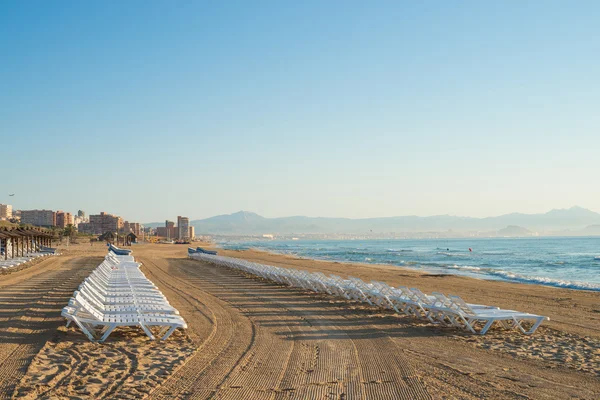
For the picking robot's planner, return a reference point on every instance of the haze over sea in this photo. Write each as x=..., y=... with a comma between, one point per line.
x=561, y=262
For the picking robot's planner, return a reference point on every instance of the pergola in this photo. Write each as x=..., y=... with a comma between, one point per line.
x=23, y=239
x=4, y=243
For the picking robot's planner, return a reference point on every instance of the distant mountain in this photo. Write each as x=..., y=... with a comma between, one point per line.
x=514, y=231
x=249, y=223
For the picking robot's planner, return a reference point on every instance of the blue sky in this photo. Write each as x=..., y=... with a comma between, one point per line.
x=340, y=108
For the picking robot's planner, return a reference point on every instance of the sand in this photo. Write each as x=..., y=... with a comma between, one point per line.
x=251, y=339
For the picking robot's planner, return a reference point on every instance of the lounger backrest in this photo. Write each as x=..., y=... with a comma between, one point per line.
x=422, y=298
x=357, y=282
x=92, y=300
x=406, y=292
x=88, y=307
x=461, y=304
x=88, y=292
x=89, y=288
x=384, y=287
x=441, y=300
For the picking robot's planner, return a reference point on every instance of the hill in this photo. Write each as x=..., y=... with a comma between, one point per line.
x=249, y=223
x=514, y=231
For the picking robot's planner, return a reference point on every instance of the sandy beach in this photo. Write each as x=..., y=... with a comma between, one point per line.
x=251, y=339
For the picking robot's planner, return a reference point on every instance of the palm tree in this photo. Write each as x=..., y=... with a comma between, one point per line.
x=69, y=231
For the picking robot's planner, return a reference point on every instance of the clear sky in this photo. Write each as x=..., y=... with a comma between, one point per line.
x=153, y=109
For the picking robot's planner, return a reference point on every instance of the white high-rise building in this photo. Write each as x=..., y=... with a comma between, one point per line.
x=5, y=211
x=183, y=228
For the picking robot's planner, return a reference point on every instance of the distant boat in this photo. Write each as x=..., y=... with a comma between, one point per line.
x=597, y=258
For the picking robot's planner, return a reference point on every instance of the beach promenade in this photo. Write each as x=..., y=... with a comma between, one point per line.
x=251, y=339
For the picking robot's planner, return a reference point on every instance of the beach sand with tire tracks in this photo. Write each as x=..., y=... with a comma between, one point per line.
x=252, y=339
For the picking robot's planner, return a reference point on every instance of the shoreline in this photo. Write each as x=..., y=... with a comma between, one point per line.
x=251, y=338
x=493, y=276
x=570, y=310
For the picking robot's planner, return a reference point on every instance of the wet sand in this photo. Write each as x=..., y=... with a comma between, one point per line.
x=251, y=339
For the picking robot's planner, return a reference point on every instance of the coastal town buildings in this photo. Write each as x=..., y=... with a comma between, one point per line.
x=64, y=219
x=102, y=223
x=80, y=218
x=44, y=218
x=133, y=227
x=192, y=233
x=168, y=231
x=5, y=211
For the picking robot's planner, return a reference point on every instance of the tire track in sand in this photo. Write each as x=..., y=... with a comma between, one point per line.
x=218, y=352
x=324, y=359
x=30, y=313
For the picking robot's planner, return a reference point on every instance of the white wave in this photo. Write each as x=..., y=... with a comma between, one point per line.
x=465, y=267
x=443, y=253
x=540, y=280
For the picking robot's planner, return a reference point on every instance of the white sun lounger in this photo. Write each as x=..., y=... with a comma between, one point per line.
x=473, y=318
x=117, y=293
x=437, y=308
x=98, y=325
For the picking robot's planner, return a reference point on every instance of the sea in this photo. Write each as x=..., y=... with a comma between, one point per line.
x=565, y=262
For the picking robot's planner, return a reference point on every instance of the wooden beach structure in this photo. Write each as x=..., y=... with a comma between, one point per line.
x=17, y=242
x=130, y=238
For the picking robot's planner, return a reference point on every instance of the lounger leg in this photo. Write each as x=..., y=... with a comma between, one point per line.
x=365, y=297
x=394, y=306
x=432, y=318
x=109, y=330
x=486, y=327
x=169, y=332
x=469, y=324
x=533, y=328
x=148, y=332
x=163, y=330
x=421, y=311
x=68, y=323
x=84, y=329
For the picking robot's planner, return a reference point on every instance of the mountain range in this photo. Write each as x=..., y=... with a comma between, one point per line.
x=575, y=220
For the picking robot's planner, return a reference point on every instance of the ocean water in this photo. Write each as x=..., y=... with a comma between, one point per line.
x=561, y=262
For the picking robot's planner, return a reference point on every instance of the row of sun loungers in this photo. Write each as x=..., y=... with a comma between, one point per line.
x=18, y=261
x=436, y=307
x=117, y=293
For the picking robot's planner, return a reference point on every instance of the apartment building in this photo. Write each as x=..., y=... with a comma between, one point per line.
x=183, y=227
x=168, y=231
x=105, y=222
x=38, y=217
x=64, y=219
